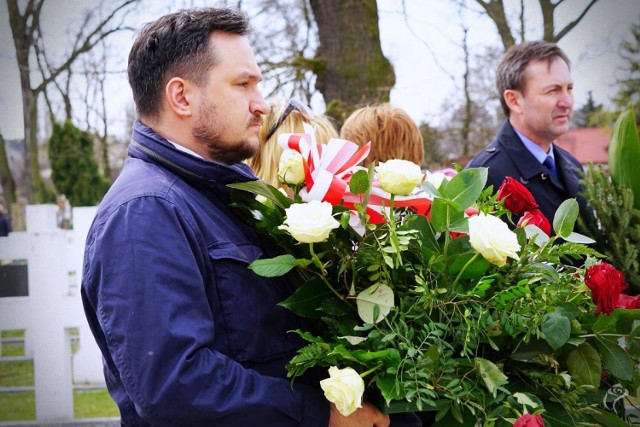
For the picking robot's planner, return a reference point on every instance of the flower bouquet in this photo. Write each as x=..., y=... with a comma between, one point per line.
x=425, y=296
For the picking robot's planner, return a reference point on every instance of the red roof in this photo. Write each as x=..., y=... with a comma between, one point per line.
x=587, y=144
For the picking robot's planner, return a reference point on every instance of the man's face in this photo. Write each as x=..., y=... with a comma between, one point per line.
x=546, y=106
x=228, y=108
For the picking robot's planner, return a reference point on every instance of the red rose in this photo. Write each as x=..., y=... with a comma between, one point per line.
x=528, y=420
x=629, y=302
x=471, y=211
x=606, y=284
x=537, y=218
x=517, y=198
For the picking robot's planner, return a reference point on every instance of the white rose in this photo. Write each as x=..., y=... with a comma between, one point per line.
x=310, y=222
x=344, y=388
x=491, y=237
x=399, y=177
x=290, y=168
x=436, y=178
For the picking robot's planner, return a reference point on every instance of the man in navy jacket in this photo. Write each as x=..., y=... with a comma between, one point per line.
x=190, y=336
x=536, y=88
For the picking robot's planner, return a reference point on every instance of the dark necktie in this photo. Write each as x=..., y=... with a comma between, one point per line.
x=550, y=164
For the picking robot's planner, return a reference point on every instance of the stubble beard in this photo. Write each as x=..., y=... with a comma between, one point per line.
x=209, y=133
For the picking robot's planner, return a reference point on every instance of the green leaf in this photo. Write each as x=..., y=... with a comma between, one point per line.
x=524, y=399
x=390, y=388
x=585, y=365
x=565, y=217
x=616, y=360
x=439, y=214
x=633, y=340
x=430, y=190
x=568, y=310
x=474, y=270
x=466, y=186
x=380, y=296
x=492, y=376
x=460, y=252
x=624, y=154
x=545, y=272
x=556, y=329
x=273, y=267
x=607, y=419
x=619, y=321
x=557, y=415
x=541, y=237
x=389, y=357
x=359, y=182
x=261, y=188
x=425, y=231
x=307, y=298
x=579, y=238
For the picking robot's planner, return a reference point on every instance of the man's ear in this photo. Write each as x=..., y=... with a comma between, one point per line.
x=177, y=97
x=513, y=100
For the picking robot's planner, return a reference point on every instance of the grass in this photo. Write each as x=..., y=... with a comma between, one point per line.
x=21, y=405
x=16, y=374
x=93, y=404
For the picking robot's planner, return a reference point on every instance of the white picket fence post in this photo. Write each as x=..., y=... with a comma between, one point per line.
x=52, y=307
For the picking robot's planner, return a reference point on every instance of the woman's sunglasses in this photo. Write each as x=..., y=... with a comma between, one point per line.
x=293, y=104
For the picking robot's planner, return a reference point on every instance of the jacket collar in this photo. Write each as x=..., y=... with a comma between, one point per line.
x=528, y=166
x=151, y=147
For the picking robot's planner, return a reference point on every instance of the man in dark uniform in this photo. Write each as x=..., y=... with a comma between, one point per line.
x=536, y=88
x=5, y=222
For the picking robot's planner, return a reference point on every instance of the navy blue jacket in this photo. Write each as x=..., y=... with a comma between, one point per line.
x=5, y=224
x=507, y=155
x=190, y=336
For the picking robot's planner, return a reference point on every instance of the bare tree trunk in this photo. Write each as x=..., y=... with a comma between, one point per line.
x=104, y=136
x=6, y=179
x=354, y=70
x=38, y=193
x=495, y=10
x=468, y=117
x=24, y=27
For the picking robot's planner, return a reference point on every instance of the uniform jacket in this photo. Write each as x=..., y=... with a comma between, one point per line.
x=507, y=155
x=190, y=336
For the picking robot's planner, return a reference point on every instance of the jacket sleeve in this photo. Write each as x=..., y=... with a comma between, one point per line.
x=146, y=280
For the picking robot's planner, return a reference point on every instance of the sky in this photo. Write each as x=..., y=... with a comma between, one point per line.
x=423, y=46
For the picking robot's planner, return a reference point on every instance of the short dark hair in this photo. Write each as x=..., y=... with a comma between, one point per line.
x=511, y=70
x=177, y=44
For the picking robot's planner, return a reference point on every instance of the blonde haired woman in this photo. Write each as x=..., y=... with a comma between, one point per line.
x=393, y=134
x=285, y=119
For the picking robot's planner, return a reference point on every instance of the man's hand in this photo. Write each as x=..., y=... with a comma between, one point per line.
x=367, y=416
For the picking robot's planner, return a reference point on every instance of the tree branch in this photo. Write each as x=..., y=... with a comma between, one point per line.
x=573, y=23
x=87, y=44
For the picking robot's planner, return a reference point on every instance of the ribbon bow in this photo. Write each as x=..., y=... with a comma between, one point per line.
x=328, y=169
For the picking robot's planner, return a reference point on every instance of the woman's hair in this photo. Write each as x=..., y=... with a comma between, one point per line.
x=265, y=162
x=393, y=134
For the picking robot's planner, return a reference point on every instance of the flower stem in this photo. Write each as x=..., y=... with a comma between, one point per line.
x=447, y=235
x=323, y=274
x=393, y=237
x=375, y=368
x=473, y=258
x=316, y=260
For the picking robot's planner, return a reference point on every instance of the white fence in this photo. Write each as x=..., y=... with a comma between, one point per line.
x=52, y=308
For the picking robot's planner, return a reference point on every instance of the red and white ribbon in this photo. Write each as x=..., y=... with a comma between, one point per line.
x=328, y=169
